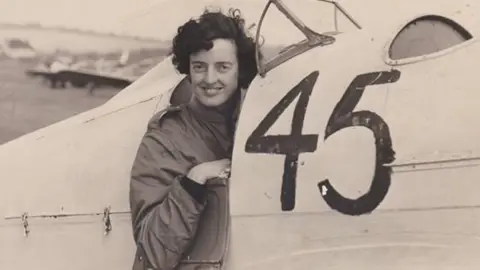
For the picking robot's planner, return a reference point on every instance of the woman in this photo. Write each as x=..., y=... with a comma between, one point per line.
x=186, y=147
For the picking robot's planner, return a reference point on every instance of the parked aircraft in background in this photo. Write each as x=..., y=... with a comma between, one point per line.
x=94, y=74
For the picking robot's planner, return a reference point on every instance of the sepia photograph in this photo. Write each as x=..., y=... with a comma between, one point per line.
x=133, y=133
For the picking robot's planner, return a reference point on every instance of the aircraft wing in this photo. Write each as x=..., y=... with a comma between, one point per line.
x=37, y=72
x=97, y=78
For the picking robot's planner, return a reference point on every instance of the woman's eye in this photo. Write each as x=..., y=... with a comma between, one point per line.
x=224, y=68
x=197, y=67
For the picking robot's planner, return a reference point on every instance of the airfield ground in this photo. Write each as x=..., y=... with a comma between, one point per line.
x=27, y=104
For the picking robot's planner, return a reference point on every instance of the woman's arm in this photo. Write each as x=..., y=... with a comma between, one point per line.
x=165, y=204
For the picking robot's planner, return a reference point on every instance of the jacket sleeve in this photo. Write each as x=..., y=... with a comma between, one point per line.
x=165, y=204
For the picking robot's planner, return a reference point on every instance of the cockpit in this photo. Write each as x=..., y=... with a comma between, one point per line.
x=288, y=28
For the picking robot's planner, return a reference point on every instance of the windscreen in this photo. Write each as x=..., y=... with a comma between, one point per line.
x=290, y=27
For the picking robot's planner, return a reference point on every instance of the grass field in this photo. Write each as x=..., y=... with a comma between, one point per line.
x=27, y=104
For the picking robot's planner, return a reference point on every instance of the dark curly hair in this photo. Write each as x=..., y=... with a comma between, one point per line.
x=197, y=35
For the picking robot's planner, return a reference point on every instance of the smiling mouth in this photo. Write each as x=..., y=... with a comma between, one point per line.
x=212, y=91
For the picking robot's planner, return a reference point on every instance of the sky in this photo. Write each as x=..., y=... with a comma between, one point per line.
x=157, y=19
x=151, y=18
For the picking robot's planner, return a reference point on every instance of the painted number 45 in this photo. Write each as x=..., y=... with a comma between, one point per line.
x=343, y=116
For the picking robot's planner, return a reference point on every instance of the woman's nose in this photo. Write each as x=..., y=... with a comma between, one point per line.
x=211, y=76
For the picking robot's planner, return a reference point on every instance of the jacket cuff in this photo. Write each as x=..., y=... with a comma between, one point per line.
x=196, y=190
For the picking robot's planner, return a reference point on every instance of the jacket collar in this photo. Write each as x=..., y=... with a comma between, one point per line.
x=213, y=115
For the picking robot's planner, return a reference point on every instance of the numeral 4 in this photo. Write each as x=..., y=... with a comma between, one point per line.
x=290, y=145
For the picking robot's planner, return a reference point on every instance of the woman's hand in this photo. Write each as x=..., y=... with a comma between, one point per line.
x=208, y=170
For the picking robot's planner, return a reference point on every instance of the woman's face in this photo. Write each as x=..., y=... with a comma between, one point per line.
x=214, y=73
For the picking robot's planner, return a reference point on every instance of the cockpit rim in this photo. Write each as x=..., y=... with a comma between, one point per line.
x=416, y=59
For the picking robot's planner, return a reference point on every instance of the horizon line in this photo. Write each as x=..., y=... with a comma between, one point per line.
x=80, y=30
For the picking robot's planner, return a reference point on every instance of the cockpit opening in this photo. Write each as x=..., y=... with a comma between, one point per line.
x=301, y=29
x=426, y=35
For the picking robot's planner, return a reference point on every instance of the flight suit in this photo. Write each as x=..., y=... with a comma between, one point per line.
x=178, y=223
